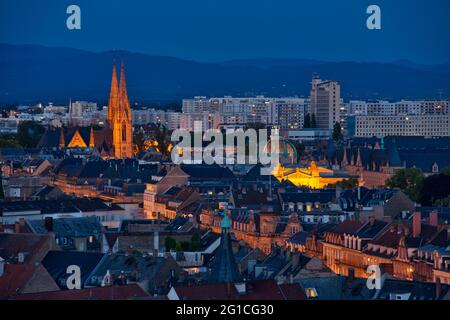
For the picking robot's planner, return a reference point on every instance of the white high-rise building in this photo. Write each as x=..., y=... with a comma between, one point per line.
x=325, y=102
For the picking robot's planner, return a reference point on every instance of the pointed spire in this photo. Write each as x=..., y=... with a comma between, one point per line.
x=113, y=97
x=358, y=159
x=91, y=138
x=224, y=268
x=62, y=141
x=123, y=95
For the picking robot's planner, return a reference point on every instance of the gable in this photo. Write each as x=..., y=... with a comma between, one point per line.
x=77, y=141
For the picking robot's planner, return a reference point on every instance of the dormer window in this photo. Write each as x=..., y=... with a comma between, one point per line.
x=311, y=293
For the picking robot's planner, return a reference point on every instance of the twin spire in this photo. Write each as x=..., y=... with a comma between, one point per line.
x=119, y=117
x=118, y=96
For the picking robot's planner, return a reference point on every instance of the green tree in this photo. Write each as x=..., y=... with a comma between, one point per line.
x=178, y=247
x=444, y=202
x=139, y=141
x=313, y=121
x=29, y=133
x=337, y=132
x=170, y=243
x=195, y=242
x=446, y=171
x=9, y=141
x=409, y=180
x=307, y=123
x=162, y=137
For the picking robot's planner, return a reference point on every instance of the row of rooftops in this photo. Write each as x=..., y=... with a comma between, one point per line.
x=58, y=206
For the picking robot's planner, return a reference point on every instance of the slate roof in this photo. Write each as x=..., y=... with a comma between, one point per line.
x=304, y=197
x=299, y=238
x=224, y=268
x=136, y=268
x=56, y=263
x=370, y=229
x=418, y=290
x=70, y=227
x=207, y=172
x=338, y=288
x=58, y=206
x=419, y=152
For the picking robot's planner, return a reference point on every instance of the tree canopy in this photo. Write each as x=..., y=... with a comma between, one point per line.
x=409, y=180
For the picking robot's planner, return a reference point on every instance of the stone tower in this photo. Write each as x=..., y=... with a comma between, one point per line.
x=119, y=116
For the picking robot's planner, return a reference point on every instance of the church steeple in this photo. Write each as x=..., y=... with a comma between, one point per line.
x=123, y=94
x=119, y=116
x=113, y=103
x=224, y=269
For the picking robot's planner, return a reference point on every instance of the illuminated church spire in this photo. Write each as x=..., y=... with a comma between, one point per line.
x=119, y=116
x=113, y=97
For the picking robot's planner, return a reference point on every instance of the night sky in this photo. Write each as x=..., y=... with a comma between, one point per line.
x=215, y=30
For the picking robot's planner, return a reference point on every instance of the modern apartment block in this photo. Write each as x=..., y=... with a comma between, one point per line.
x=325, y=102
x=288, y=113
x=402, y=107
x=427, y=125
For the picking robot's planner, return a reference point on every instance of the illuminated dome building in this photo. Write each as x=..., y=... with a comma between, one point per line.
x=312, y=176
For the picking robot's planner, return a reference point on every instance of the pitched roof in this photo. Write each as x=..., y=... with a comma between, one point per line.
x=255, y=290
x=125, y=292
x=56, y=263
x=29, y=244
x=15, y=276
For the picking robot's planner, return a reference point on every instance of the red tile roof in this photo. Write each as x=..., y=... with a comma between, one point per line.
x=348, y=226
x=15, y=276
x=30, y=244
x=255, y=290
x=127, y=292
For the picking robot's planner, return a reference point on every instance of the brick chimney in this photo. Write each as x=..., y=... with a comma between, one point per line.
x=417, y=224
x=434, y=219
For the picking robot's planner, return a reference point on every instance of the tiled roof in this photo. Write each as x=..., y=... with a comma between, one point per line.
x=15, y=276
x=255, y=290
x=348, y=227
x=126, y=292
x=29, y=244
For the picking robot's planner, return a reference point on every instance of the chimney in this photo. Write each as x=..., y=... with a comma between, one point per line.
x=2, y=267
x=417, y=224
x=17, y=227
x=438, y=287
x=156, y=242
x=351, y=274
x=372, y=220
x=434, y=219
x=49, y=224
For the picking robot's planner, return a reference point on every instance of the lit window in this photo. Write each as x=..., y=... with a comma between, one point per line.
x=311, y=293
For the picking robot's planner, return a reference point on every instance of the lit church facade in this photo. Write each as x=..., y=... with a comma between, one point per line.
x=113, y=141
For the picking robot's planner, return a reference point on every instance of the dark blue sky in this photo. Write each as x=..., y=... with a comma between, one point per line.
x=212, y=30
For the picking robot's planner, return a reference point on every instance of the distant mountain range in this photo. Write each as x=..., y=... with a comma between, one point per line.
x=30, y=74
